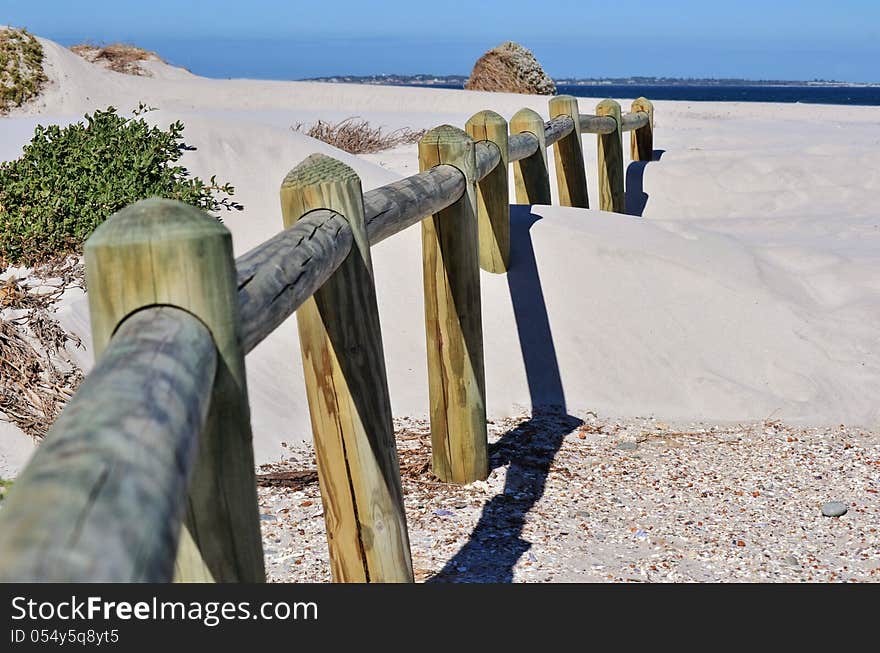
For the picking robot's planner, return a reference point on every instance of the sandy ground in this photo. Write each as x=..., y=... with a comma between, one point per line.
x=743, y=289
x=748, y=291
x=586, y=499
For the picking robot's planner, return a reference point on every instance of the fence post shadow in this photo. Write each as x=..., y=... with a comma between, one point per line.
x=496, y=542
x=635, y=196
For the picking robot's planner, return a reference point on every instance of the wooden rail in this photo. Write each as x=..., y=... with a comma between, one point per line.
x=636, y=120
x=597, y=124
x=148, y=473
x=522, y=146
x=102, y=498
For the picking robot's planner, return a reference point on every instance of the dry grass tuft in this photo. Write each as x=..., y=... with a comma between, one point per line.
x=357, y=136
x=510, y=68
x=119, y=57
x=37, y=376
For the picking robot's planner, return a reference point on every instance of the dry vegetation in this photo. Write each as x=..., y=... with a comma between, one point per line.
x=358, y=136
x=510, y=68
x=119, y=57
x=37, y=375
x=21, y=68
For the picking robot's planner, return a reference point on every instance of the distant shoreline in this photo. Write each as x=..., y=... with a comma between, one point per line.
x=774, y=92
x=459, y=81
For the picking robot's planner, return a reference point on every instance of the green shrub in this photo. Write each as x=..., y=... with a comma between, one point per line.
x=4, y=488
x=70, y=179
x=21, y=68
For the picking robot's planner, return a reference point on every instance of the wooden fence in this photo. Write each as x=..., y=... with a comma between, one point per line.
x=158, y=436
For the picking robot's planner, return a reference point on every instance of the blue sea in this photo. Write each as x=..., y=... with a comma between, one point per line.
x=860, y=95
x=804, y=94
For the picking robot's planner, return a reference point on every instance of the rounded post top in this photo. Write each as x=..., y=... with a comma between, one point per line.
x=528, y=120
x=316, y=169
x=156, y=219
x=610, y=108
x=563, y=101
x=444, y=134
x=527, y=115
x=645, y=105
x=607, y=107
x=566, y=105
x=487, y=117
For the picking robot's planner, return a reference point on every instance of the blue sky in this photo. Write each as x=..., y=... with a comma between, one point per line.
x=779, y=39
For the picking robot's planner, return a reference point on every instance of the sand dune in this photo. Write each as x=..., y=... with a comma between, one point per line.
x=749, y=289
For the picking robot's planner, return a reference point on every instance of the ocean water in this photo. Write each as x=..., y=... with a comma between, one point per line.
x=852, y=95
x=804, y=94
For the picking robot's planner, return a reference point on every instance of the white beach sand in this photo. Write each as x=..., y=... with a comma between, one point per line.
x=749, y=290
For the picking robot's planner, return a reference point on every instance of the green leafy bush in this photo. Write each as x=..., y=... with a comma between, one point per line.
x=4, y=488
x=70, y=179
x=21, y=68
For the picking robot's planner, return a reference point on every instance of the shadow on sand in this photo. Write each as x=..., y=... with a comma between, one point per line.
x=496, y=543
x=636, y=197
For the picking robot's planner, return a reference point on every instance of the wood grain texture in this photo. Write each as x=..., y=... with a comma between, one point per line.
x=401, y=204
x=453, y=321
x=530, y=176
x=521, y=146
x=164, y=252
x=591, y=124
x=189, y=566
x=642, y=139
x=278, y=276
x=568, y=154
x=493, y=199
x=558, y=128
x=611, y=190
x=347, y=389
x=488, y=158
x=103, y=497
x=633, y=120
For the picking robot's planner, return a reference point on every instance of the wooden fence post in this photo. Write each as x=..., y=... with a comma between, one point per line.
x=493, y=199
x=189, y=567
x=611, y=190
x=453, y=320
x=571, y=176
x=530, y=175
x=641, y=140
x=160, y=251
x=344, y=366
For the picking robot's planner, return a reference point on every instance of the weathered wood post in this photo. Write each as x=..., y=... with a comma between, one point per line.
x=493, y=199
x=571, y=176
x=611, y=190
x=453, y=321
x=157, y=252
x=530, y=176
x=641, y=140
x=189, y=567
x=350, y=408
